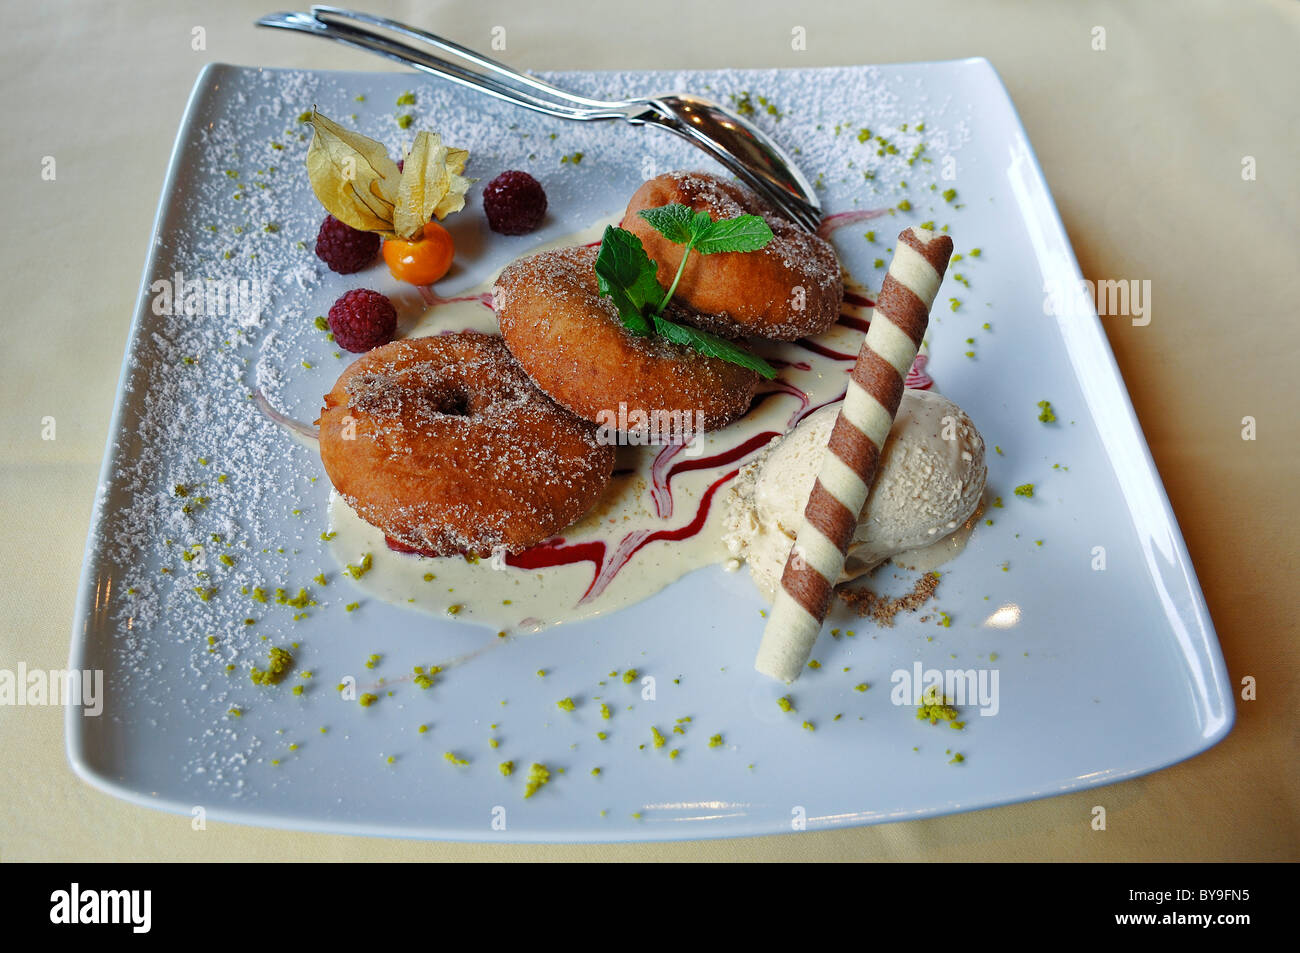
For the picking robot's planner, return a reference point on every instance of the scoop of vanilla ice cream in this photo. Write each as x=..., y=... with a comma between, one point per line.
x=929, y=482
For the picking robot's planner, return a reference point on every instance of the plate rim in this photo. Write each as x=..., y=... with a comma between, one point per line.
x=87, y=589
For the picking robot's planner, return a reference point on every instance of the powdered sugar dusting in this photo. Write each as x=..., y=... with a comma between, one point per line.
x=207, y=503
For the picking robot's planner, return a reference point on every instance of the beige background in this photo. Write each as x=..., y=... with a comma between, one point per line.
x=1142, y=145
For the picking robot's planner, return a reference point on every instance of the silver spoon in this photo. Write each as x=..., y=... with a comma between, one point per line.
x=731, y=140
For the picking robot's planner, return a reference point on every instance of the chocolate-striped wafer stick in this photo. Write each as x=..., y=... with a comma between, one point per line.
x=898, y=324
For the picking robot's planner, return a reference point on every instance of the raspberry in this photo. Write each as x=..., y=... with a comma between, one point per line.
x=344, y=248
x=362, y=319
x=514, y=202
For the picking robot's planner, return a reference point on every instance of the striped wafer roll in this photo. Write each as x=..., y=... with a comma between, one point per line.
x=898, y=324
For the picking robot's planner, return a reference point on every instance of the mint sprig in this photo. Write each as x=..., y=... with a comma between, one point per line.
x=698, y=231
x=712, y=345
x=625, y=273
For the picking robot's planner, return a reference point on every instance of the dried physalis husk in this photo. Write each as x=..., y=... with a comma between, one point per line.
x=359, y=184
x=431, y=184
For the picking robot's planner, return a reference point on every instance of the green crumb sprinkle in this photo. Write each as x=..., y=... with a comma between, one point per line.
x=602, y=735
x=235, y=713
x=506, y=768
x=838, y=716
x=304, y=116
x=391, y=759
x=813, y=663
x=949, y=194
x=297, y=689
x=538, y=776
x=630, y=676
x=997, y=502
x=565, y=704
x=541, y=673
x=975, y=252
x=301, y=601
x=870, y=236
x=1045, y=411
x=373, y=661
x=366, y=700
x=572, y=158
x=986, y=326
x=321, y=323
x=604, y=711
x=494, y=743
x=878, y=263
x=861, y=687
x=659, y=739
x=280, y=662
x=1025, y=489
x=785, y=704
x=997, y=449
x=404, y=121
x=715, y=741
x=935, y=709
x=954, y=303
x=958, y=758
x=275, y=761
x=945, y=620
x=429, y=577
x=672, y=755
x=809, y=726
x=454, y=609
x=595, y=772
x=406, y=99
x=905, y=206
x=422, y=729
x=635, y=815
x=993, y=656
x=1038, y=542
x=356, y=572
x=326, y=537
x=451, y=758
x=320, y=579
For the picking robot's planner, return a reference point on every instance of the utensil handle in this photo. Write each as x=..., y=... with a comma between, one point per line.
x=328, y=14
x=400, y=52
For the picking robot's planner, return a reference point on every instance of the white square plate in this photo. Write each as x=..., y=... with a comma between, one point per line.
x=1103, y=674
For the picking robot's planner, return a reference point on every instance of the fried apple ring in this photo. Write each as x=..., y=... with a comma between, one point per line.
x=789, y=289
x=446, y=445
x=572, y=344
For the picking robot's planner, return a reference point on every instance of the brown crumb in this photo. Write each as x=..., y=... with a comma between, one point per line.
x=882, y=610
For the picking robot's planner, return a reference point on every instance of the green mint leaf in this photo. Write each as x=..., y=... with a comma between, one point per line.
x=743, y=233
x=712, y=345
x=673, y=222
x=625, y=273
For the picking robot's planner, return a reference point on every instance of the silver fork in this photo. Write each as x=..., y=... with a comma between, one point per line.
x=737, y=144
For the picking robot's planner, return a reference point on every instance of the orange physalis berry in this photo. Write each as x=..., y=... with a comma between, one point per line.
x=422, y=261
